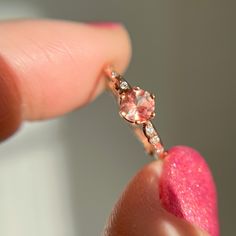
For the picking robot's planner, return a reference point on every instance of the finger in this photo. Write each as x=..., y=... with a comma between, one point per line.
x=48, y=68
x=168, y=199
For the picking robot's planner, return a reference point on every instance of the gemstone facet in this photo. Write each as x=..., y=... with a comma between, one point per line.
x=137, y=106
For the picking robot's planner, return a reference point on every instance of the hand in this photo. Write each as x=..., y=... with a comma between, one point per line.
x=48, y=68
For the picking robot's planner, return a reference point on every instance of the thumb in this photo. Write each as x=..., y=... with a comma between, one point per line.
x=168, y=198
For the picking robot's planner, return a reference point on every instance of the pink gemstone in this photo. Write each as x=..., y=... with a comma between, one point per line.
x=137, y=105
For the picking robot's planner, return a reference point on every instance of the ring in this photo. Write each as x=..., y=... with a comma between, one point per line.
x=137, y=106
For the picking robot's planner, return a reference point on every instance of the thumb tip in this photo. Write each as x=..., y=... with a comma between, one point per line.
x=162, y=200
x=187, y=189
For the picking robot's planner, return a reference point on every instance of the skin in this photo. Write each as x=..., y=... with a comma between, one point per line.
x=44, y=74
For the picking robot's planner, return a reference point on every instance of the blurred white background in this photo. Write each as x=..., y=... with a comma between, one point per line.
x=60, y=178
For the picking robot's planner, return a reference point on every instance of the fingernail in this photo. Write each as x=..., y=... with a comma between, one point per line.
x=187, y=189
x=105, y=24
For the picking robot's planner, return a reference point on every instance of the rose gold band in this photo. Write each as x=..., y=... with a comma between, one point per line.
x=141, y=105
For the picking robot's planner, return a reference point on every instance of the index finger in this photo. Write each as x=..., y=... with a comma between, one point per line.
x=48, y=68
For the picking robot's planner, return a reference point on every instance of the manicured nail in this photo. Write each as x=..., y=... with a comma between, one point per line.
x=105, y=24
x=187, y=189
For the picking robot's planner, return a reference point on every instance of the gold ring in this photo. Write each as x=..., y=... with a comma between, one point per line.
x=137, y=106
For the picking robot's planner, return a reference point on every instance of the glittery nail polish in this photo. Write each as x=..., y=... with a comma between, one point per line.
x=187, y=189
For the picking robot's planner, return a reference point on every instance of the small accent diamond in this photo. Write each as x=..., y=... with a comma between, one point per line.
x=114, y=74
x=124, y=85
x=149, y=130
x=159, y=149
x=154, y=140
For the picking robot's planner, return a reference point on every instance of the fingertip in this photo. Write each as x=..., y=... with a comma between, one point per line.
x=120, y=60
x=187, y=189
x=140, y=210
x=57, y=66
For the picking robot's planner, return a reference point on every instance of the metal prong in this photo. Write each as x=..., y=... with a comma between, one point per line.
x=136, y=88
x=153, y=96
x=153, y=115
x=122, y=96
x=122, y=114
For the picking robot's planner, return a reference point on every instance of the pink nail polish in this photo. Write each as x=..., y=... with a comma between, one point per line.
x=105, y=24
x=187, y=189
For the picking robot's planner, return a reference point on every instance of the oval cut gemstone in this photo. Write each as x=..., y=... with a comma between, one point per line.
x=137, y=105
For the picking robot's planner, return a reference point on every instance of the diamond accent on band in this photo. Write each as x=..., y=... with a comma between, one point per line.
x=124, y=85
x=154, y=140
x=114, y=74
x=137, y=106
x=149, y=130
x=159, y=149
